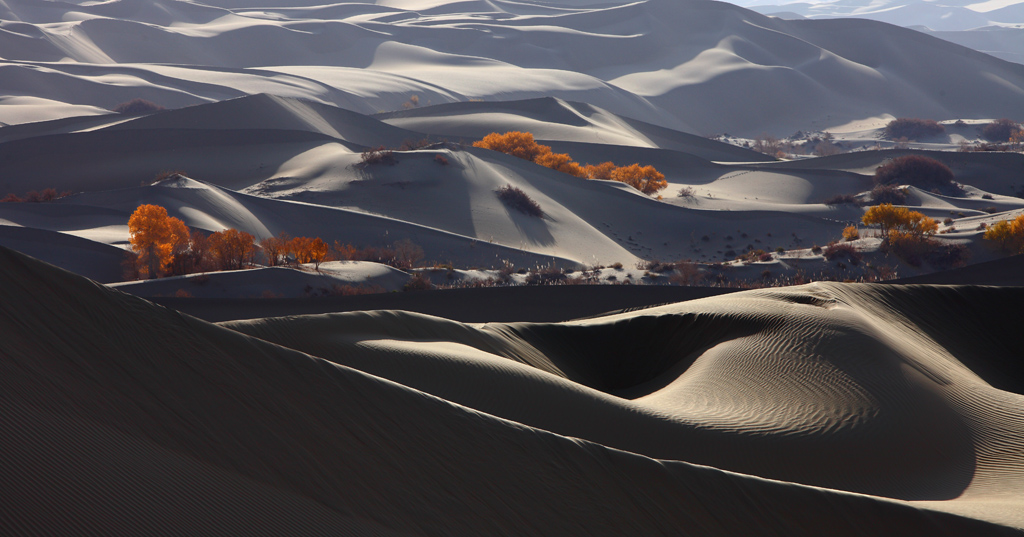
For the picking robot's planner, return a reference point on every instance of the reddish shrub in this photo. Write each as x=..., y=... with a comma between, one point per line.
x=378, y=155
x=912, y=128
x=916, y=170
x=441, y=159
x=838, y=250
x=519, y=200
x=137, y=106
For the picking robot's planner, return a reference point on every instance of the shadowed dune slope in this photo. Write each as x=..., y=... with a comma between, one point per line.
x=119, y=416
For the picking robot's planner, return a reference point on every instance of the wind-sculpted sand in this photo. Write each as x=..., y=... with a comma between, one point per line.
x=828, y=408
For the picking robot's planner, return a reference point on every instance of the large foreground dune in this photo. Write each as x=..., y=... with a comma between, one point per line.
x=830, y=408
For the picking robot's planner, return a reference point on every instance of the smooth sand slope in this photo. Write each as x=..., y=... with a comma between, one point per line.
x=124, y=417
x=700, y=67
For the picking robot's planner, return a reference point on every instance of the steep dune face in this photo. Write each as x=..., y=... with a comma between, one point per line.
x=851, y=387
x=117, y=413
x=700, y=67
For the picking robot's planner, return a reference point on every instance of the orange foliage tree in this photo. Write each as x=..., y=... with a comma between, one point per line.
x=232, y=249
x=600, y=171
x=561, y=162
x=515, y=143
x=309, y=250
x=156, y=238
x=1008, y=234
x=646, y=179
x=899, y=222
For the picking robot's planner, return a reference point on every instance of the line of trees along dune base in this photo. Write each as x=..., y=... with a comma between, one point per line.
x=162, y=245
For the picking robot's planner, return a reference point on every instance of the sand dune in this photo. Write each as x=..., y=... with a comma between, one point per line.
x=699, y=67
x=207, y=418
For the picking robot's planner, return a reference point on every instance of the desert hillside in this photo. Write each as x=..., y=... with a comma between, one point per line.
x=139, y=419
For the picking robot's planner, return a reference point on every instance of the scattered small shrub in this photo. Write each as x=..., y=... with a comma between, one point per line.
x=851, y=233
x=912, y=128
x=378, y=155
x=840, y=199
x=616, y=265
x=987, y=197
x=418, y=282
x=991, y=209
x=519, y=200
x=441, y=159
x=815, y=249
x=687, y=193
x=137, y=106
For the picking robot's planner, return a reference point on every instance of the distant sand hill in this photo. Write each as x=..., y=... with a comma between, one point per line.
x=823, y=409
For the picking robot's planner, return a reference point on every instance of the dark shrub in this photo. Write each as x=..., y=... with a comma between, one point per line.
x=912, y=128
x=11, y=198
x=888, y=194
x=840, y=199
x=136, y=107
x=519, y=200
x=419, y=282
x=840, y=250
x=999, y=130
x=378, y=155
x=948, y=256
x=441, y=159
x=916, y=170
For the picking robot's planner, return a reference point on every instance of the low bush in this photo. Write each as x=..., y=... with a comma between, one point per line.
x=912, y=128
x=916, y=170
x=378, y=155
x=850, y=233
x=1000, y=130
x=519, y=200
x=888, y=194
x=419, y=282
x=841, y=199
x=839, y=250
x=441, y=159
x=136, y=107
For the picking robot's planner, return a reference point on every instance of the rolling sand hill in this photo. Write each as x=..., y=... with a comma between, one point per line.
x=267, y=165
x=125, y=417
x=699, y=67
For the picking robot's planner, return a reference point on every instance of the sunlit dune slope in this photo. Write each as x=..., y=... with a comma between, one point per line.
x=123, y=417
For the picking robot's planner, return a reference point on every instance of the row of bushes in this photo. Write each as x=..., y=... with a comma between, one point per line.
x=646, y=179
x=32, y=196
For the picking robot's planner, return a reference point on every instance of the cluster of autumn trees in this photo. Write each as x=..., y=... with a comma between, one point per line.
x=646, y=179
x=164, y=246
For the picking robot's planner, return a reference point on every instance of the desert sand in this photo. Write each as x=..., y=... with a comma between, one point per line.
x=653, y=397
x=843, y=408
